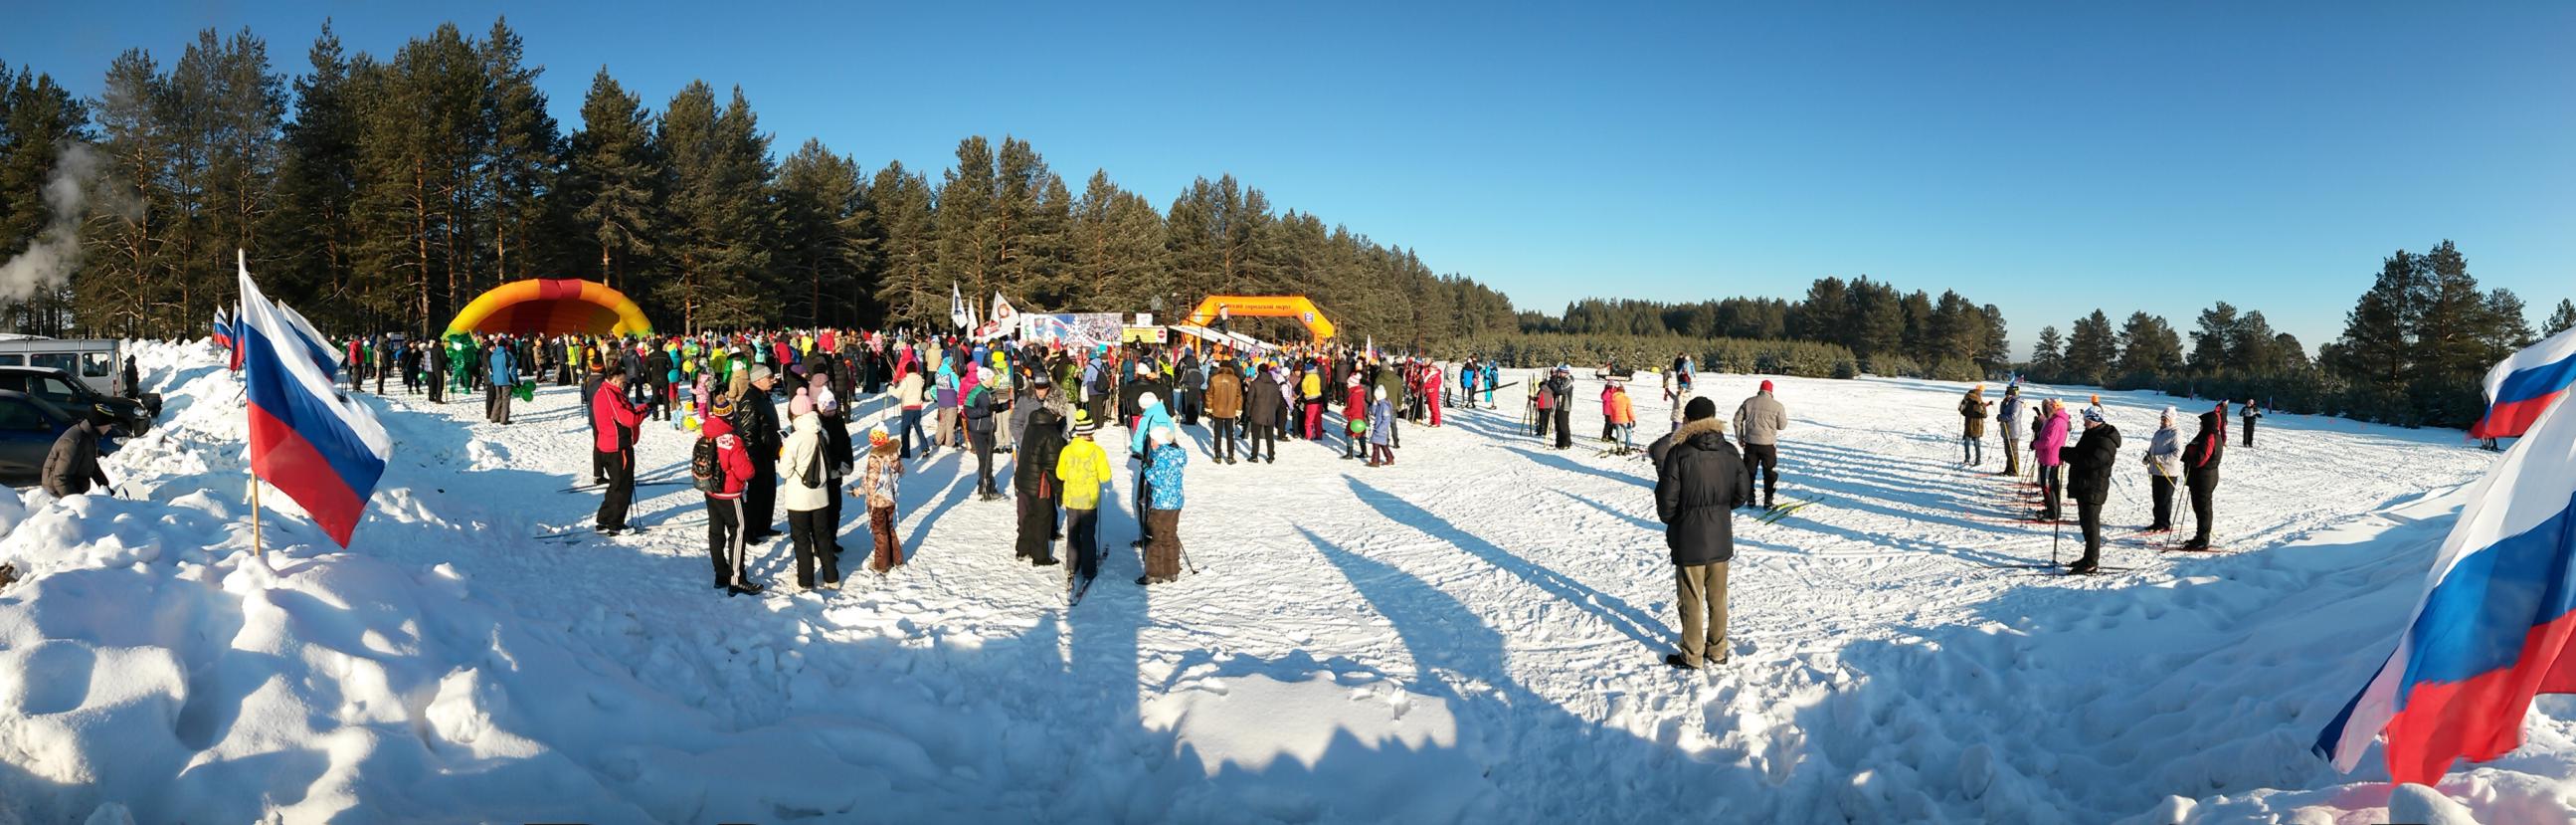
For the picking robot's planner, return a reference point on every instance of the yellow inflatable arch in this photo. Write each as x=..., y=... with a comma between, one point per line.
x=547, y=306
x=1265, y=306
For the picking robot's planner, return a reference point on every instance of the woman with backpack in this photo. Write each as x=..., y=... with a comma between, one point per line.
x=720, y=466
x=808, y=495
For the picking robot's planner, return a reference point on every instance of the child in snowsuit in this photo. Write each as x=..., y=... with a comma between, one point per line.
x=1163, y=511
x=877, y=487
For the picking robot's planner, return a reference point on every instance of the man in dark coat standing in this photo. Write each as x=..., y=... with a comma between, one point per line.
x=1561, y=389
x=2200, y=471
x=759, y=430
x=1699, y=481
x=2090, y=463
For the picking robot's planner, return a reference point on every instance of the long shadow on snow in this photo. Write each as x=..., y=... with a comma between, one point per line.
x=1612, y=610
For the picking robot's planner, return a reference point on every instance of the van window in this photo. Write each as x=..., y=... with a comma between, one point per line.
x=97, y=365
x=13, y=360
x=58, y=360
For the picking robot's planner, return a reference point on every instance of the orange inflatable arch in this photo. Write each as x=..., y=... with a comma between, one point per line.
x=550, y=306
x=1265, y=306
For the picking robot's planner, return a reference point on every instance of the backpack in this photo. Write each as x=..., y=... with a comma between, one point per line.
x=706, y=468
x=812, y=477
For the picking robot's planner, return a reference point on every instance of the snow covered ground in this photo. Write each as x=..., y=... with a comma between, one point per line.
x=1471, y=635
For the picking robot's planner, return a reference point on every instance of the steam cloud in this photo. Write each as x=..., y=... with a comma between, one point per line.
x=57, y=249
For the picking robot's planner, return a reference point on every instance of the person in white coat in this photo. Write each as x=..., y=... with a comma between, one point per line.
x=2164, y=468
x=806, y=469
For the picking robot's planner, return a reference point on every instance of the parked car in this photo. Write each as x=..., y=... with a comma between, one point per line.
x=61, y=390
x=29, y=426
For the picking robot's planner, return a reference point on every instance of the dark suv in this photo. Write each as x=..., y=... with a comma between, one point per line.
x=61, y=390
x=29, y=426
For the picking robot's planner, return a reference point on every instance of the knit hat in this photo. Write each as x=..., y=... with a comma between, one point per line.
x=1164, y=435
x=759, y=372
x=1766, y=385
x=877, y=435
x=723, y=407
x=2169, y=414
x=1381, y=393
x=2093, y=414
x=1699, y=408
x=800, y=406
x=1146, y=400
x=1083, y=423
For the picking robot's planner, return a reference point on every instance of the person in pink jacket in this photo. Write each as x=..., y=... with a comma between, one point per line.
x=2052, y=470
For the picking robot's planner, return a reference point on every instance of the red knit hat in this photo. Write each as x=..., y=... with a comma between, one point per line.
x=1766, y=385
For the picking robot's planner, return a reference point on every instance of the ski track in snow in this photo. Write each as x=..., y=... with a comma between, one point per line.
x=1472, y=634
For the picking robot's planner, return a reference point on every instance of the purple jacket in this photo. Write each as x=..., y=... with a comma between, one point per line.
x=2052, y=437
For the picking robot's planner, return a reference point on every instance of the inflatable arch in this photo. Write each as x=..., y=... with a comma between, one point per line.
x=551, y=307
x=1264, y=306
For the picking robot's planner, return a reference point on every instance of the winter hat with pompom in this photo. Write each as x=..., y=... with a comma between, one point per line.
x=877, y=435
x=800, y=406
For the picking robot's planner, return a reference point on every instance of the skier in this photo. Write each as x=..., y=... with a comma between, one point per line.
x=808, y=495
x=2164, y=464
x=1560, y=389
x=1973, y=439
x=1623, y=418
x=721, y=468
x=1163, y=508
x=1698, y=486
x=1758, y=422
x=2090, y=464
x=1381, y=418
x=1224, y=407
x=1033, y=475
x=2250, y=413
x=615, y=422
x=877, y=487
x=2050, y=439
x=1083, y=469
x=2200, y=471
x=2010, y=417
x=1542, y=402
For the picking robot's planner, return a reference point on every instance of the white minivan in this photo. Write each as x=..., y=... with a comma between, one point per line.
x=97, y=362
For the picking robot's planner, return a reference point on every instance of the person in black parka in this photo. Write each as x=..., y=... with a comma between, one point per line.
x=1699, y=482
x=1033, y=476
x=2200, y=471
x=2089, y=463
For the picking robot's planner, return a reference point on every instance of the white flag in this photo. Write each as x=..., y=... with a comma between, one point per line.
x=958, y=315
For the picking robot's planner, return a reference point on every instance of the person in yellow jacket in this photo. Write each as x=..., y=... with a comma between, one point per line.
x=1084, y=469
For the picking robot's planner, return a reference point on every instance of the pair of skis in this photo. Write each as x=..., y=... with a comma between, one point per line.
x=1773, y=514
x=659, y=482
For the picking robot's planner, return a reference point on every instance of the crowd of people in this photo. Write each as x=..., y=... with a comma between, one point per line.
x=2083, y=470
x=1046, y=404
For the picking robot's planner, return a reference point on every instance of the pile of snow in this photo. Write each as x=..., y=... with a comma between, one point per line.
x=1472, y=634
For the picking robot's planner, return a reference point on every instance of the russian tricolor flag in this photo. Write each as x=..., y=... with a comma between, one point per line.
x=2493, y=628
x=2520, y=387
x=316, y=446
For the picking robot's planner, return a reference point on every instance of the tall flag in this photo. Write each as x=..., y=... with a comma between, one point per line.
x=1003, y=313
x=2526, y=382
x=223, y=328
x=958, y=315
x=315, y=445
x=2496, y=625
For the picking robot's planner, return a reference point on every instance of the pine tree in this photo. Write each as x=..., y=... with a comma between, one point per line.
x=2149, y=351
x=2377, y=345
x=127, y=264
x=613, y=178
x=315, y=225
x=1825, y=314
x=2209, y=343
x=1995, y=353
x=2092, y=350
x=520, y=164
x=723, y=222
x=906, y=235
x=1875, y=320
x=40, y=123
x=967, y=220
x=820, y=207
x=2504, y=329
x=2562, y=320
x=2047, y=357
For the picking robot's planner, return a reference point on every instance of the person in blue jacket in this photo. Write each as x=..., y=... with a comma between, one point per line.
x=1163, y=509
x=1381, y=421
x=505, y=372
x=1151, y=415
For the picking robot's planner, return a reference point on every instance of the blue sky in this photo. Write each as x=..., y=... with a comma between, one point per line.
x=2050, y=158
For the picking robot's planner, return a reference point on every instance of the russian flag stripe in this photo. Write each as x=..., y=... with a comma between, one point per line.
x=2536, y=382
x=310, y=419
x=2526, y=382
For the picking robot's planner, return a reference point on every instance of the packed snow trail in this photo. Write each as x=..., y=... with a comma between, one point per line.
x=1470, y=634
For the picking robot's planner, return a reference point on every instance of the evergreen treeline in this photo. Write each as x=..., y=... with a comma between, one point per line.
x=2413, y=351
x=394, y=188
x=1891, y=333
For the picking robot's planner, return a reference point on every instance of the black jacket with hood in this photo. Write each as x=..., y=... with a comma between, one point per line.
x=1700, y=482
x=2088, y=464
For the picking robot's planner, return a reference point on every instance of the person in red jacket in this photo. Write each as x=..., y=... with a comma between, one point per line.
x=1355, y=408
x=615, y=420
x=724, y=502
